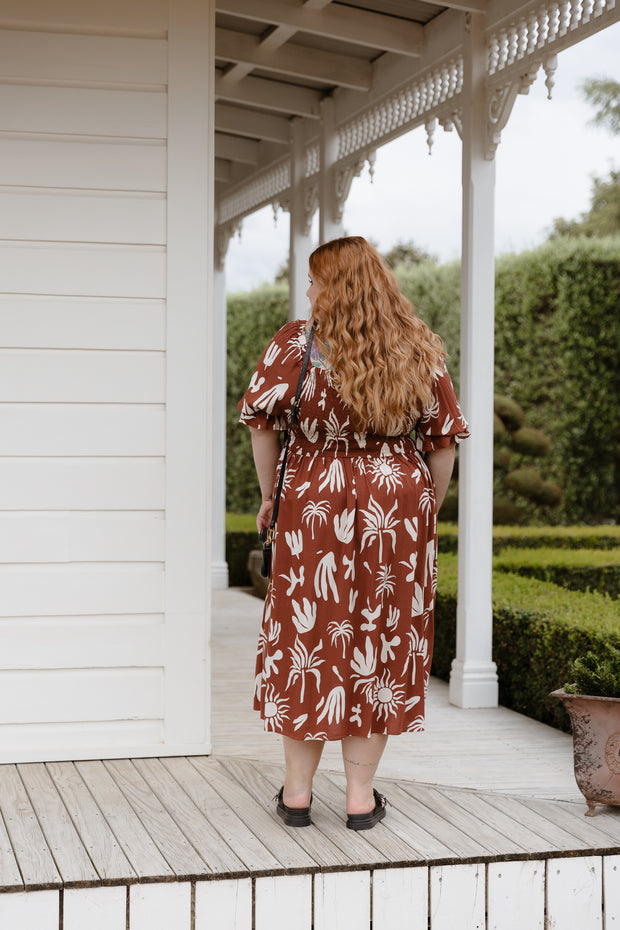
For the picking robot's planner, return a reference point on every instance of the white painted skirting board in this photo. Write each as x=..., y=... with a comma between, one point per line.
x=564, y=893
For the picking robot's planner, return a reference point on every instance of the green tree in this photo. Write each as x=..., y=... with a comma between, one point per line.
x=604, y=94
x=407, y=254
x=284, y=272
x=603, y=217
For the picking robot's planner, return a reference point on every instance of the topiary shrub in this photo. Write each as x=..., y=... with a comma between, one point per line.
x=509, y=413
x=530, y=441
x=514, y=445
x=505, y=511
x=501, y=458
x=526, y=482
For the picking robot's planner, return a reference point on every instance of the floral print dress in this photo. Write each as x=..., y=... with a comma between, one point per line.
x=347, y=633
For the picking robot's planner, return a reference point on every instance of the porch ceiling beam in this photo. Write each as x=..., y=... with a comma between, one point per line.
x=251, y=124
x=223, y=170
x=270, y=95
x=294, y=60
x=361, y=27
x=236, y=149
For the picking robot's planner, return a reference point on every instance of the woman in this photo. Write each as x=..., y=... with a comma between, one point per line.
x=345, y=647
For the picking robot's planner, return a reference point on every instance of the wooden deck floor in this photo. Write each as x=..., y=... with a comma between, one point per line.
x=79, y=825
x=475, y=789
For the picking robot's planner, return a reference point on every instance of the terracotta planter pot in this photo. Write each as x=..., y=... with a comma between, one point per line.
x=596, y=746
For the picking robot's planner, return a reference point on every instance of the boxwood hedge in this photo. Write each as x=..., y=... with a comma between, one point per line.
x=538, y=629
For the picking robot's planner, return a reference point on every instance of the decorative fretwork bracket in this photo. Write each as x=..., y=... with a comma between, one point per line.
x=221, y=240
x=450, y=120
x=344, y=178
x=502, y=98
x=311, y=204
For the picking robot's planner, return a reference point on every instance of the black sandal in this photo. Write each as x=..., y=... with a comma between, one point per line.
x=292, y=816
x=369, y=820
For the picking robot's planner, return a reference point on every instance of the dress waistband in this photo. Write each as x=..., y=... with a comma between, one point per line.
x=374, y=445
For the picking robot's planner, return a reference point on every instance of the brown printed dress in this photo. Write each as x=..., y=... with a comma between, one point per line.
x=347, y=633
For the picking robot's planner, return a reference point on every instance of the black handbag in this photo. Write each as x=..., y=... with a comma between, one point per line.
x=266, y=535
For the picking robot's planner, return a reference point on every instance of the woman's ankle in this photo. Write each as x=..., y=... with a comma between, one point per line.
x=360, y=801
x=296, y=797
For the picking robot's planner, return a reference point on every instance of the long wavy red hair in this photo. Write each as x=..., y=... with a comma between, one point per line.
x=383, y=356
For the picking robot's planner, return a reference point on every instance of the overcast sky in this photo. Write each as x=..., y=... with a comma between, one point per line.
x=547, y=157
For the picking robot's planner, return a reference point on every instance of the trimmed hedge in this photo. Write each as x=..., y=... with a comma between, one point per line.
x=241, y=538
x=537, y=537
x=577, y=569
x=534, y=643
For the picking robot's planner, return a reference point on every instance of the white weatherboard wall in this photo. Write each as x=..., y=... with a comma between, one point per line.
x=105, y=276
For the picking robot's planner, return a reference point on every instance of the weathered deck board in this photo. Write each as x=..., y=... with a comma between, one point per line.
x=63, y=840
x=231, y=827
x=171, y=842
x=96, y=835
x=588, y=834
x=138, y=846
x=30, y=848
x=200, y=831
x=496, y=817
x=496, y=843
x=263, y=823
x=516, y=808
x=458, y=845
x=10, y=876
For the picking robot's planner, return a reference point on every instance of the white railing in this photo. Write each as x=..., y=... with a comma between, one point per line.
x=541, y=30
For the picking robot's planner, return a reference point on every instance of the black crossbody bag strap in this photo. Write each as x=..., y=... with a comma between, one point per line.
x=294, y=418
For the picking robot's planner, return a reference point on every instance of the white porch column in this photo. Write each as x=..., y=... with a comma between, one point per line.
x=219, y=565
x=473, y=681
x=300, y=243
x=186, y=695
x=329, y=228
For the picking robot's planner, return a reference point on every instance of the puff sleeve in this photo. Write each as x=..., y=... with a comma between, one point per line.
x=267, y=402
x=442, y=423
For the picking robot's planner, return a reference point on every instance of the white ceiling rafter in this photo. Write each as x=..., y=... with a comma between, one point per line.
x=274, y=96
x=296, y=61
x=361, y=27
x=236, y=149
x=223, y=170
x=251, y=124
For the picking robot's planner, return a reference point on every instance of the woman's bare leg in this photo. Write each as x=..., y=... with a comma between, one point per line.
x=302, y=759
x=361, y=757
